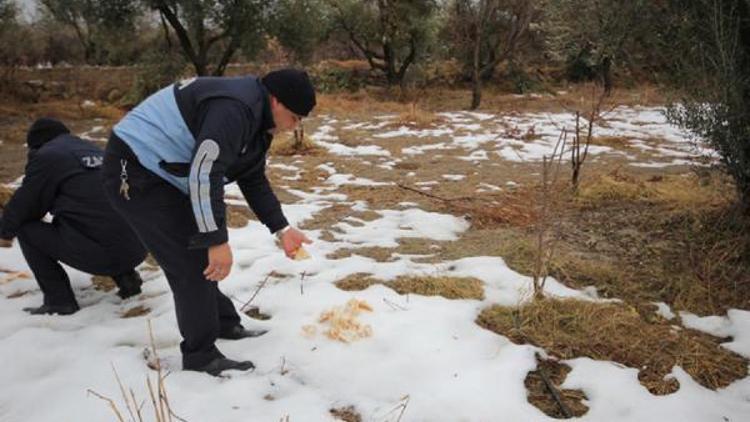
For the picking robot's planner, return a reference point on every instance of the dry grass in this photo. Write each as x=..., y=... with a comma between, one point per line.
x=417, y=117
x=346, y=414
x=103, y=283
x=671, y=238
x=618, y=142
x=377, y=253
x=136, y=311
x=614, y=332
x=515, y=209
x=447, y=287
x=238, y=216
x=284, y=145
x=686, y=190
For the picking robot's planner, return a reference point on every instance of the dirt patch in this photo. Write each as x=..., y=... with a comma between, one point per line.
x=543, y=383
x=255, y=313
x=569, y=329
x=447, y=287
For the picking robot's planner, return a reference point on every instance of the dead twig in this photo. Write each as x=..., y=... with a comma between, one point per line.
x=395, y=306
x=260, y=287
x=111, y=403
x=553, y=390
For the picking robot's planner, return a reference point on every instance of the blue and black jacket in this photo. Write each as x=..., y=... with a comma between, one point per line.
x=204, y=132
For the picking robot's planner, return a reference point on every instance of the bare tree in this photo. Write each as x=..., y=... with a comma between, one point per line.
x=488, y=32
x=549, y=219
x=581, y=141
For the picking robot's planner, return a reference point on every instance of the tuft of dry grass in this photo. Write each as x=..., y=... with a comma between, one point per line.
x=346, y=414
x=284, y=145
x=136, y=311
x=447, y=287
x=356, y=282
x=614, y=188
x=569, y=329
x=103, y=283
x=416, y=117
x=377, y=253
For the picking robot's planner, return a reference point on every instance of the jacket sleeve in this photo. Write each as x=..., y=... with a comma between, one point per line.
x=258, y=193
x=222, y=127
x=36, y=195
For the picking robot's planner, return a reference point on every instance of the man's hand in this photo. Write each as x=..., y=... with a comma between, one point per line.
x=291, y=240
x=6, y=243
x=219, y=262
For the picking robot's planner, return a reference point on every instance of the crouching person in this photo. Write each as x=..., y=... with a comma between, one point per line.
x=63, y=178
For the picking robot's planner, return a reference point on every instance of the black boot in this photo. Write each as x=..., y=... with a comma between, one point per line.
x=53, y=309
x=239, y=332
x=129, y=284
x=216, y=366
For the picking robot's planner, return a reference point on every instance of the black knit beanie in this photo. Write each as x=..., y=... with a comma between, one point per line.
x=44, y=130
x=292, y=88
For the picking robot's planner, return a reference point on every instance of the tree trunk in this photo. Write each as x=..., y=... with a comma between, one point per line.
x=476, y=77
x=476, y=83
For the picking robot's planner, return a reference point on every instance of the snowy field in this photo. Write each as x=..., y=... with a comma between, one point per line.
x=424, y=358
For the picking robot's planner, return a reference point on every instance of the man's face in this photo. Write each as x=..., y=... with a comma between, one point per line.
x=284, y=119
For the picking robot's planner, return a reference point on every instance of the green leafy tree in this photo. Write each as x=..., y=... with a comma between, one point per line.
x=8, y=24
x=101, y=26
x=391, y=34
x=591, y=36
x=712, y=41
x=210, y=32
x=300, y=26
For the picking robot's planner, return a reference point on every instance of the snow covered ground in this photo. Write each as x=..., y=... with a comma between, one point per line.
x=426, y=358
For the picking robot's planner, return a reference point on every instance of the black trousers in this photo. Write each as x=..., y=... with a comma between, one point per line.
x=162, y=217
x=45, y=245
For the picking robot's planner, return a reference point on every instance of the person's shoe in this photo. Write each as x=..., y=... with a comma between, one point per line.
x=216, y=366
x=239, y=332
x=129, y=284
x=53, y=309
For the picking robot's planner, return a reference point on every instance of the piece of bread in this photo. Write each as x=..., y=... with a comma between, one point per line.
x=301, y=254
